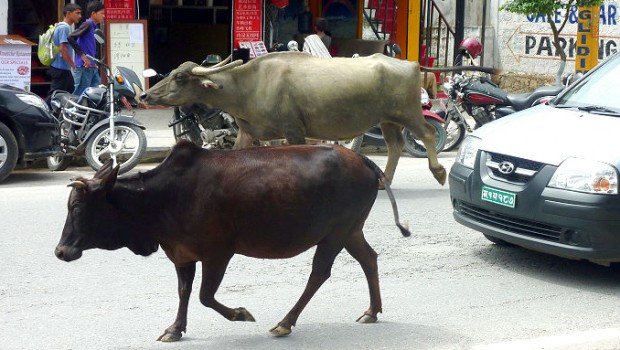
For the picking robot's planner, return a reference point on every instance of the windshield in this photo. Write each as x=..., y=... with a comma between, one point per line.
x=597, y=89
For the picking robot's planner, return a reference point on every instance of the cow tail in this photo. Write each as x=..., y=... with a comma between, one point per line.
x=386, y=183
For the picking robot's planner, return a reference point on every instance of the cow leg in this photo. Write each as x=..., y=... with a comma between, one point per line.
x=361, y=251
x=324, y=257
x=426, y=133
x=394, y=141
x=212, y=275
x=185, y=276
x=430, y=143
x=243, y=140
x=295, y=139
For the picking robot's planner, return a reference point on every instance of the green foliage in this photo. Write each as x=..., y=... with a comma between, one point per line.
x=548, y=7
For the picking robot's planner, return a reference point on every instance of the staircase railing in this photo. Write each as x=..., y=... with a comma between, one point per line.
x=437, y=36
x=381, y=18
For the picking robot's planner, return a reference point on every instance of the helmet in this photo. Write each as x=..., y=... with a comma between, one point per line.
x=471, y=46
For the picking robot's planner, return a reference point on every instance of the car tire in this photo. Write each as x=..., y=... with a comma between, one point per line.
x=8, y=151
x=497, y=241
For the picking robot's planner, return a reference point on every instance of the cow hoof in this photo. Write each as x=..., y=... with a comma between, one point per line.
x=169, y=337
x=241, y=314
x=365, y=318
x=280, y=331
x=440, y=175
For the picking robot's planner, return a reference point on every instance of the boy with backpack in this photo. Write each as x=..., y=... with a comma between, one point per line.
x=61, y=69
x=82, y=40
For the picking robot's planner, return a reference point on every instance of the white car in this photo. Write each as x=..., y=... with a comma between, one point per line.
x=546, y=178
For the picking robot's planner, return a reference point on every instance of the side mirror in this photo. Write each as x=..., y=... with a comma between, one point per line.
x=211, y=59
x=149, y=73
x=396, y=49
x=99, y=36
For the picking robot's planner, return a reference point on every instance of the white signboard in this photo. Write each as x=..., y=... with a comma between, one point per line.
x=15, y=64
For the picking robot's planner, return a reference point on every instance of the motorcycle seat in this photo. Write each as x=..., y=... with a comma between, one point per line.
x=525, y=100
x=63, y=97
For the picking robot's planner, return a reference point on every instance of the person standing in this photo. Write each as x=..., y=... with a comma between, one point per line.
x=82, y=40
x=321, y=29
x=60, y=69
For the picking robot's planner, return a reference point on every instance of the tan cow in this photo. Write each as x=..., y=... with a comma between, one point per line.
x=296, y=96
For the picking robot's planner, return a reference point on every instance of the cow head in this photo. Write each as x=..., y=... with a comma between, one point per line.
x=94, y=220
x=185, y=85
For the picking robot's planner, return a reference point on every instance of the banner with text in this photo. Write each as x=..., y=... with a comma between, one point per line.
x=247, y=21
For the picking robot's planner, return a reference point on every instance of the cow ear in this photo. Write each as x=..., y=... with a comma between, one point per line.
x=107, y=174
x=105, y=169
x=208, y=84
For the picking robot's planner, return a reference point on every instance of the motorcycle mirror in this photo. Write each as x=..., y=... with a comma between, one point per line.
x=99, y=36
x=211, y=59
x=396, y=49
x=149, y=73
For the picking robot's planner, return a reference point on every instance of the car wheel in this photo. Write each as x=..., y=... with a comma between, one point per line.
x=496, y=240
x=8, y=151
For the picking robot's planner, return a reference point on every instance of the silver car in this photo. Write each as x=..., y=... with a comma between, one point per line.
x=546, y=178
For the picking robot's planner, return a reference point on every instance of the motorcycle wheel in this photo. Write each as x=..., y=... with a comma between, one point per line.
x=353, y=144
x=8, y=151
x=133, y=149
x=187, y=129
x=416, y=148
x=455, y=133
x=59, y=163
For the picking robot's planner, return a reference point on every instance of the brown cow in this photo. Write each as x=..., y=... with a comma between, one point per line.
x=207, y=205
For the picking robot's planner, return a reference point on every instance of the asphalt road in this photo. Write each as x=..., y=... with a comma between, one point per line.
x=445, y=287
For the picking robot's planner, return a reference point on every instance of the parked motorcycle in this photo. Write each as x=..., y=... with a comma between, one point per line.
x=484, y=101
x=413, y=146
x=207, y=127
x=92, y=125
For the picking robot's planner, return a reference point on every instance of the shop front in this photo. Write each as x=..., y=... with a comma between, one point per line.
x=187, y=30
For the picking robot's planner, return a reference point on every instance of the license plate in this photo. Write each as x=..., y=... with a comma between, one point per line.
x=500, y=197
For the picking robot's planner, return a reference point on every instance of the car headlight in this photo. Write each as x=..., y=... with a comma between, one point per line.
x=33, y=100
x=585, y=176
x=468, y=151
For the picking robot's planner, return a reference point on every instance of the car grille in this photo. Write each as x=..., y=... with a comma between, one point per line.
x=512, y=224
x=524, y=169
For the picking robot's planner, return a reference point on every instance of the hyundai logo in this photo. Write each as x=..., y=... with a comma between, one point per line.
x=506, y=168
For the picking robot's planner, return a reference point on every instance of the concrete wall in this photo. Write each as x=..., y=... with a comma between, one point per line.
x=521, y=46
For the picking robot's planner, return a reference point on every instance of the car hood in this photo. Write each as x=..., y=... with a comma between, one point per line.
x=551, y=135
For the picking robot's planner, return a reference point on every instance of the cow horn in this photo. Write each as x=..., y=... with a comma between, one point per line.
x=78, y=185
x=222, y=63
x=207, y=71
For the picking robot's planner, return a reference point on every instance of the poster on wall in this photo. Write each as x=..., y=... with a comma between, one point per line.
x=247, y=21
x=127, y=46
x=15, y=61
x=120, y=9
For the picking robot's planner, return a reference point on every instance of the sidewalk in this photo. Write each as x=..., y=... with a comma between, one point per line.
x=159, y=136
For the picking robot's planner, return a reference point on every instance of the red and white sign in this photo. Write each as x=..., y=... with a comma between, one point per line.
x=15, y=61
x=247, y=21
x=120, y=10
